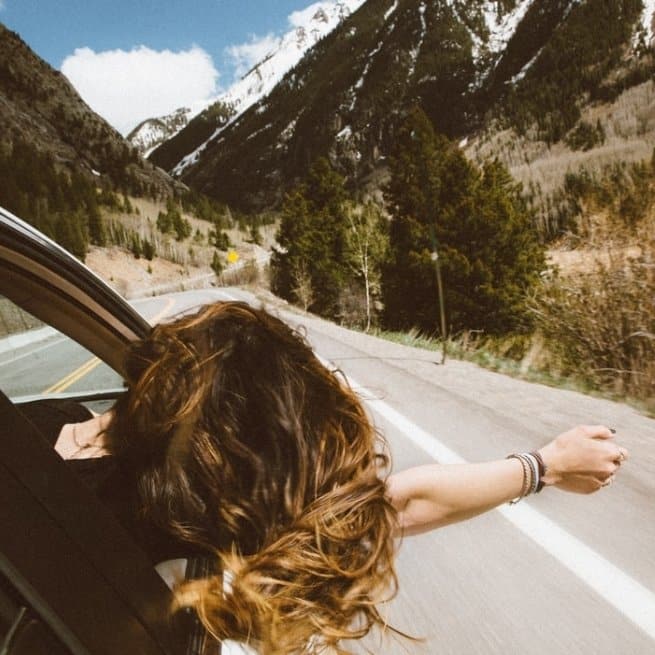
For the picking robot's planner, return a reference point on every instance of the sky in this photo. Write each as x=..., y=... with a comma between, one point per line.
x=135, y=59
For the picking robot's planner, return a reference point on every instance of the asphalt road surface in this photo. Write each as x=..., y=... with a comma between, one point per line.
x=557, y=574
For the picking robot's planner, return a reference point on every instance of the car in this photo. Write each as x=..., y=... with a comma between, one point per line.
x=72, y=580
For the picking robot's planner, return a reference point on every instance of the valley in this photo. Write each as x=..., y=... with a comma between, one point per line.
x=399, y=179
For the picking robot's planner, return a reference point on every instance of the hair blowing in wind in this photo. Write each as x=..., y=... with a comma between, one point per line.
x=246, y=447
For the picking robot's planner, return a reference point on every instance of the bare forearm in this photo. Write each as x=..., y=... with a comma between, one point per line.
x=582, y=460
x=432, y=496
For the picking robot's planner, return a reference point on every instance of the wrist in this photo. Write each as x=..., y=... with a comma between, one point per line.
x=549, y=456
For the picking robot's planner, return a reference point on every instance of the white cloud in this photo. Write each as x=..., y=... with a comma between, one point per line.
x=128, y=87
x=245, y=55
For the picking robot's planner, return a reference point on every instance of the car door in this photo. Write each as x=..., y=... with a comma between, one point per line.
x=71, y=579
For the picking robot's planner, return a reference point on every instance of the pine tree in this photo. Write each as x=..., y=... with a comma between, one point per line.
x=312, y=239
x=97, y=232
x=477, y=223
x=148, y=249
x=217, y=264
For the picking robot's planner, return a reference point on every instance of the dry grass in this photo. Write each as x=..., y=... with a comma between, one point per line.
x=13, y=319
x=598, y=319
x=177, y=263
x=629, y=124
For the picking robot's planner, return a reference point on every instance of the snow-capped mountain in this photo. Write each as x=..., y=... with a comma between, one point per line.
x=526, y=65
x=309, y=26
x=148, y=134
x=312, y=24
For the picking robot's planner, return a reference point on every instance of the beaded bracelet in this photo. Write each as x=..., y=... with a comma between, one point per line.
x=542, y=470
x=534, y=467
x=528, y=476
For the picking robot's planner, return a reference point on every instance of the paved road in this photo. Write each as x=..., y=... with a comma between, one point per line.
x=558, y=574
x=553, y=577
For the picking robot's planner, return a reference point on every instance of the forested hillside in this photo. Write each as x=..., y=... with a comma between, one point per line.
x=59, y=161
x=474, y=68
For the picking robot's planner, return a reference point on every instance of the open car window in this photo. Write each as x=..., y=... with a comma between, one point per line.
x=72, y=580
x=37, y=360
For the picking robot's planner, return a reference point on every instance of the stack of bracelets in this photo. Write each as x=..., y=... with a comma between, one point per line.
x=534, y=470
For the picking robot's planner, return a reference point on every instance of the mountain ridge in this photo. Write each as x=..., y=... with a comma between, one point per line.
x=42, y=108
x=465, y=63
x=258, y=81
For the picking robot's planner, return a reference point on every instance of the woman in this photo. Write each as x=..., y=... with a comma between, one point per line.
x=234, y=440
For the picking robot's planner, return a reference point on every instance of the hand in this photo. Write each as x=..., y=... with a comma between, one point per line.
x=583, y=459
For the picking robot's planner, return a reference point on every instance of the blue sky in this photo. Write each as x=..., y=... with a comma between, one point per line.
x=196, y=45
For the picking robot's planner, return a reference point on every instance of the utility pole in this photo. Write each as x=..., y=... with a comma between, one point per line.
x=435, y=258
x=442, y=310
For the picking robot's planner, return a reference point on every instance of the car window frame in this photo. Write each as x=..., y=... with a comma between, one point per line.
x=49, y=283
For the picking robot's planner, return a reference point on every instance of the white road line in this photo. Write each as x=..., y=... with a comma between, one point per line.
x=33, y=352
x=624, y=593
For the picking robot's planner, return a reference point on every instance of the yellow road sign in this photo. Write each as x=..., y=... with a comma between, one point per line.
x=232, y=257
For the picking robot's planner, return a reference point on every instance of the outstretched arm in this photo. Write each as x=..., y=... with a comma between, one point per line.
x=581, y=460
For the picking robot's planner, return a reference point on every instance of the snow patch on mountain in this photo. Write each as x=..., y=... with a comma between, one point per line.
x=390, y=11
x=310, y=25
x=646, y=24
x=521, y=74
x=414, y=52
x=147, y=135
x=502, y=28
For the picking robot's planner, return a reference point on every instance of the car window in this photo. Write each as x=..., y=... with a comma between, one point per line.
x=37, y=360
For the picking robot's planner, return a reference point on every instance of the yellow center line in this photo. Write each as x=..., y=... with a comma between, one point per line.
x=91, y=364
x=73, y=377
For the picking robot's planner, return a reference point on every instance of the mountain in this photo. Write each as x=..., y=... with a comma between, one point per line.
x=42, y=112
x=310, y=26
x=150, y=133
x=475, y=67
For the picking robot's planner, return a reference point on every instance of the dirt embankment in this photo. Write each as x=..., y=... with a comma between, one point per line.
x=133, y=277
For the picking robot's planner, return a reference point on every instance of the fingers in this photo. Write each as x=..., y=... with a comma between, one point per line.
x=585, y=459
x=598, y=431
x=622, y=455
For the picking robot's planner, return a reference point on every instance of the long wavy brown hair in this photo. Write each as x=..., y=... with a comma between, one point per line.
x=248, y=447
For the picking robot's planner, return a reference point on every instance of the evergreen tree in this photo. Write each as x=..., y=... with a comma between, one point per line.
x=477, y=223
x=70, y=233
x=136, y=246
x=312, y=237
x=164, y=222
x=217, y=264
x=219, y=239
x=255, y=235
x=97, y=232
x=148, y=249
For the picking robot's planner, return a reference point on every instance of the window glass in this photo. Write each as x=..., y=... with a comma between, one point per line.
x=36, y=359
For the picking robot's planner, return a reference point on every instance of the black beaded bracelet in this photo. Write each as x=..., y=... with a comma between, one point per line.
x=542, y=470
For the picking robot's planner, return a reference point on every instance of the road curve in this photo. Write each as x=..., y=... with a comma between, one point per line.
x=580, y=580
